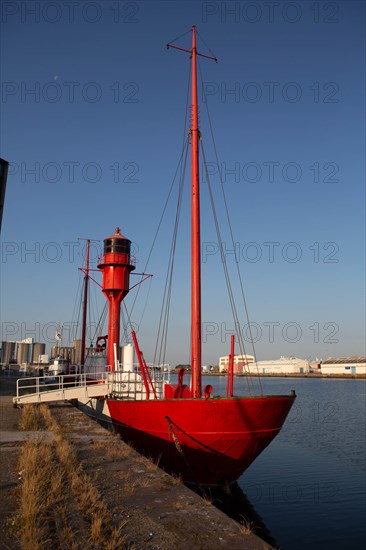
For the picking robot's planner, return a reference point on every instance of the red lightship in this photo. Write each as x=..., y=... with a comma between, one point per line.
x=206, y=440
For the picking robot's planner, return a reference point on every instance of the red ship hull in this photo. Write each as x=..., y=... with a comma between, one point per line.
x=205, y=441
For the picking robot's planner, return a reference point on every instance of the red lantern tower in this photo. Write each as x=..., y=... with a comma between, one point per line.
x=116, y=267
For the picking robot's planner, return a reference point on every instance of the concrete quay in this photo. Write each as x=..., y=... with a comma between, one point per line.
x=153, y=510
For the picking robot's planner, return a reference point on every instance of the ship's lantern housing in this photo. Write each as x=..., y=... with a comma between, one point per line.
x=116, y=264
x=117, y=244
x=116, y=268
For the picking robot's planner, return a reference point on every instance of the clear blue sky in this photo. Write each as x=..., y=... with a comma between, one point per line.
x=92, y=113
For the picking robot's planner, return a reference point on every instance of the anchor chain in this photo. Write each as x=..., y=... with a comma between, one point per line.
x=181, y=452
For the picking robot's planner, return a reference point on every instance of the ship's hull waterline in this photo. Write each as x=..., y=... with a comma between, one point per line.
x=204, y=441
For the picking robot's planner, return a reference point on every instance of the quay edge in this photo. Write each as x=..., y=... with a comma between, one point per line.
x=156, y=512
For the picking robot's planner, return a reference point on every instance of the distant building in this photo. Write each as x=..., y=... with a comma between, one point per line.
x=181, y=366
x=8, y=352
x=63, y=352
x=76, y=355
x=241, y=363
x=23, y=352
x=206, y=368
x=283, y=365
x=344, y=365
x=38, y=350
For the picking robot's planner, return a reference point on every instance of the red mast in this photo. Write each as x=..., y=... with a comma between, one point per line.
x=195, y=235
x=85, y=270
x=196, y=340
x=85, y=304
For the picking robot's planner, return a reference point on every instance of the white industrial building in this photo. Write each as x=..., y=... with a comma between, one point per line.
x=344, y=365
x=283, y=365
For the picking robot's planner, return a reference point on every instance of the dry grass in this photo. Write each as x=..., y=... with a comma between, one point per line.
x=45, y=468
x=116, y=539
x=169, y=481
x=176, y=480
x=152, y=463
x=247, y=527
x=113, y=449
x=65, y=532
x=145, y=482
x=50, y=420
x=180, y=504
x=31, y=418
x=96, y=528
x=130, y=483
x=90, y=502
x=41, y=490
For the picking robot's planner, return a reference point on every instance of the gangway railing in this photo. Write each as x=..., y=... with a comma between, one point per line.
x=118, y=384
x=40, y=389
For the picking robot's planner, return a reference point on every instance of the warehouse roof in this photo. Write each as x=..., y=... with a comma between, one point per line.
x=341, y=360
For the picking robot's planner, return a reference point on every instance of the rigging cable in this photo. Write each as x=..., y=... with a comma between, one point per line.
x=129, y=314
x=180, y=36
x=224, y=264
x=101, y=322
x=209, y=49
x=75, y=319
x=179, y=206
x=169, y=193
x=97, y=314
x=164, y=314
x=231, y=233
x=179, y=169
x=182, y=164
x=146, y=301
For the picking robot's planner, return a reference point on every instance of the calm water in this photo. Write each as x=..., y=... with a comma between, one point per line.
x=309, y=485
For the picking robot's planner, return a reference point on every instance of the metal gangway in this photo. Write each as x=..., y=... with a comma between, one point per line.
x=83, y=386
